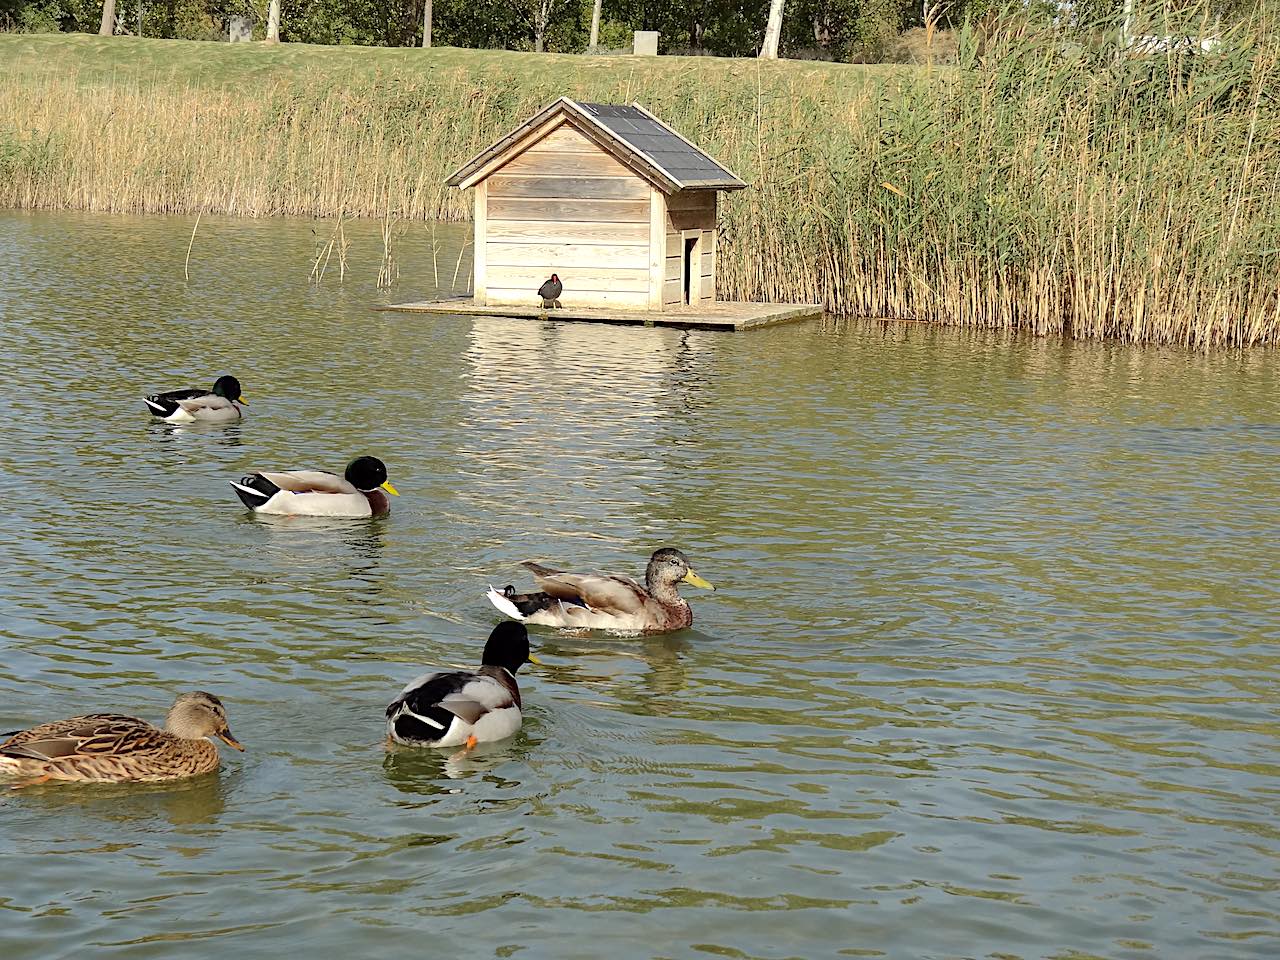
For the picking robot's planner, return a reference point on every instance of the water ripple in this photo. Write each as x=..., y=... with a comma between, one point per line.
x=991, y=670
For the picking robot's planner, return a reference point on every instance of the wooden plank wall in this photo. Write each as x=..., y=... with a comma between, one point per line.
x=690, y=211
x=565, y=206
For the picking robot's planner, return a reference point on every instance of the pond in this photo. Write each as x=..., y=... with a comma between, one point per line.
x=991, y=669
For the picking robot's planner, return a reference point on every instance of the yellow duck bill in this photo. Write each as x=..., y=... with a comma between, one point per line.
x=226, y=737
x=386, y=485
x=697, y=581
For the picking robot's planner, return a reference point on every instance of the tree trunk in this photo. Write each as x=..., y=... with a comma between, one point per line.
x=273, y=22
x=771, y=32
x=595, y=26
x=108, y=27
x=426, y=25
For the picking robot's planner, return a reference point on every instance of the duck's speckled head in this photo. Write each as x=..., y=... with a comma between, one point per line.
x=668, y=567
x=197, y=715
x=229, y=387
x=508, y=647
x=367, y=474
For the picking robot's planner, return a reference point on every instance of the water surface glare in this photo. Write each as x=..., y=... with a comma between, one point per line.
x=991, y=670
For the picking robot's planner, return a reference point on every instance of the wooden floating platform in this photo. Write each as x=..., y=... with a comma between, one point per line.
x=722, y=315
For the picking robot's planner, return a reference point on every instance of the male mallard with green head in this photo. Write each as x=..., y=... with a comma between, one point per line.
x=604, y=601
x=314, y=493
x=446, y=708
x=205, y=406
x=109, y=748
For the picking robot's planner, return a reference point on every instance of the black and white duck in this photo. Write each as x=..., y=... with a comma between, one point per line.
x=606, y=601
x=314, y=493
x=218, y=405
x=447, y=708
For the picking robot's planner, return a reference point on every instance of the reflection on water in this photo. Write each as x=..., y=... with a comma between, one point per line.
x=199, y=800
x=991, y=670
x=227, y=434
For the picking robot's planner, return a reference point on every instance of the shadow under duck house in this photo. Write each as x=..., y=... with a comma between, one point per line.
x=620, y=208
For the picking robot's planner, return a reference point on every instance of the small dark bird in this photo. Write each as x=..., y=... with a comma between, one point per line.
x=550, y=292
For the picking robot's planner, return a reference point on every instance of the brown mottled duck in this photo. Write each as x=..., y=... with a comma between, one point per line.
x=606, y=602
x=109, y=748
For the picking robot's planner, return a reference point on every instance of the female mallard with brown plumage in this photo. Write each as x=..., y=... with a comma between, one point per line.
x=107, y=747
x=604, y=601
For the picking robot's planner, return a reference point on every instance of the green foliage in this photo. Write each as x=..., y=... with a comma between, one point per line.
x=28, y=153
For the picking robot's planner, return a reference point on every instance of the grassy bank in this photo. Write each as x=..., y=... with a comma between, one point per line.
x=1037, y=187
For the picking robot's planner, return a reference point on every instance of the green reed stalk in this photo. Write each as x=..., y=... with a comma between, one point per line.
x=1049, y=182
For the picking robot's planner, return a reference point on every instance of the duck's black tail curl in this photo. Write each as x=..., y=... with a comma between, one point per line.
x=530, y=603
x=254, y=490
x=425, y=725
x=158, y=405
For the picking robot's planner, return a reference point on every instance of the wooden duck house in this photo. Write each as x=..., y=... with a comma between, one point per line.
x=607, y=197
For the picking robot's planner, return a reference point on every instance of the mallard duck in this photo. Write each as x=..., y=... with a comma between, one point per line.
x=314, y=493
x=446, y=708
x=106, y=747
x=550, y=292
x=207, y=406
x=606, y=602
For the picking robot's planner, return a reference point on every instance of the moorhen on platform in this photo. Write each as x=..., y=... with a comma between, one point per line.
x=550, y=292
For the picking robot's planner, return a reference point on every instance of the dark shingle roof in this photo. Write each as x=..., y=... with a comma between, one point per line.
x=631, y=133
x=679, y=158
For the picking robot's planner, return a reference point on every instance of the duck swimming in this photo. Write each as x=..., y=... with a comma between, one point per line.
x=446, y=708
x=108, y=748
x=606, y=602
x=206, y=406
x=313, y=493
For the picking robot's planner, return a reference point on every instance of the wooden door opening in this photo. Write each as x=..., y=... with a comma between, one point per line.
x=691, y=267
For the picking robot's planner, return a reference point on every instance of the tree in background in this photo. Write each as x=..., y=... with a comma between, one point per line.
x=540, y=13
x=108, y=25
x=772, y=32
x=594, y=42
x=273, y=22
x=426, y=24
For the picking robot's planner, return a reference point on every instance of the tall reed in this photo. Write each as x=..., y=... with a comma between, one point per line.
x=1050, y=182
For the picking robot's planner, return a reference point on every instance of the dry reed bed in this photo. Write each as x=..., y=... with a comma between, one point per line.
x=1074, y=193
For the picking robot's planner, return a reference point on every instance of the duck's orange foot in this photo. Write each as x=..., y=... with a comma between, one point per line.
x=471, y=741
x=44, y=778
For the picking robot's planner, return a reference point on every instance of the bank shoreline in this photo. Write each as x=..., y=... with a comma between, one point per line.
x=1017, y=191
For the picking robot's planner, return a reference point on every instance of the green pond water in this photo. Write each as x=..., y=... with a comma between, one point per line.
x=992, y=670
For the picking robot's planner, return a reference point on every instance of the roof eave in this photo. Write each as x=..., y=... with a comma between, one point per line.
x=593, y=129
x=713, y=185
x=464, y=172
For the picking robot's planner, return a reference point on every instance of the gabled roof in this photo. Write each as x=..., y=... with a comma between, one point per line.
x=631, y=134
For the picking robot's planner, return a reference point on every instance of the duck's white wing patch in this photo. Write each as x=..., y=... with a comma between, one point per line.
x=421, y=681
x=486, y=691
x=505, y=606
